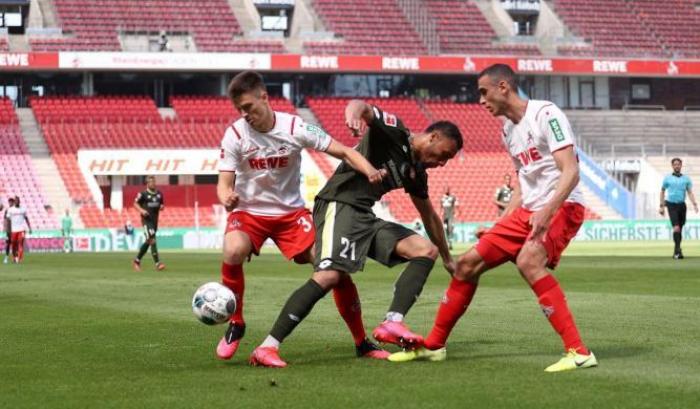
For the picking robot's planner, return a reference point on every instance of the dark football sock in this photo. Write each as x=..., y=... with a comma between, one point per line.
x=677, y=240
x=154, y=252
x=298, y=306
x=142, y=250
x=410, y=284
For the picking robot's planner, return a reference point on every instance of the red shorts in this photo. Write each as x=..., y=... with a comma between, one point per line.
x=16, y=237
x=504, y=240
x=293, y=232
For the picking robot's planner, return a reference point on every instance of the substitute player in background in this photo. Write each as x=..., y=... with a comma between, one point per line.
x=19, y=226
x=543, y=216
x=503, y=195
x=149, y=203
x=348, y=231
x=448, y=203
x=7, y=226
x=677, y=184
x=67, y=232
x=259, y=181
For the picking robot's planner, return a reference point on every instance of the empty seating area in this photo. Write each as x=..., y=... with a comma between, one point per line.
x=613, y=28
x=17, y=174
x=171, y=217
x=374, y=27
x=675, y=22
x=462, y=28
x=96, y=25
x=206, y=109
x=481, y=131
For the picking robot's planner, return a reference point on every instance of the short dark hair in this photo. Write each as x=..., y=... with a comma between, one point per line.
x=244, y=82
x=11, y=199
x=449, y=130
x=676, y=159
x=501, y=72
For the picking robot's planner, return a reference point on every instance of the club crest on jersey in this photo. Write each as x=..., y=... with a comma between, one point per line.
x=530, y=138
x=283, y=150
x=389, y=119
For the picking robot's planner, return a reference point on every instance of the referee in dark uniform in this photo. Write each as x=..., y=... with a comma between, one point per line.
x=149, y=203
x=677, y=184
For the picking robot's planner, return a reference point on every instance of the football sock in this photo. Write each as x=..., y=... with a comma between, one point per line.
x=410, y=284
x=454, y=304
x=393, y=316
x=7, y=247
x=677, y=240
x=232, y=277
x=20, y=250
x=142, y=250
x=553, y=304
x=298, y=306
x=270, y=342
x=154, y=253
x=348, y=303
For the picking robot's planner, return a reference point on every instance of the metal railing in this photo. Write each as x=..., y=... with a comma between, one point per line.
x=423, y=22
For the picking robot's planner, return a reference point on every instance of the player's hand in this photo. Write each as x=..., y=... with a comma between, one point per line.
x=695, y=205
x=144, y=213
x=450, y=265
x=357, y=126
x=376, y=176
x=540, y=221
x=231, y=201
x=661, y=210
x=480, y=231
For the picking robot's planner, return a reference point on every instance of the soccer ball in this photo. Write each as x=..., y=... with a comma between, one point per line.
x=213, y=303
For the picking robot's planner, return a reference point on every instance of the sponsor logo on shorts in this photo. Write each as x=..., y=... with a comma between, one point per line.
x=389, y=119
x=325, y=264
x=556, y=129
x=294, y=318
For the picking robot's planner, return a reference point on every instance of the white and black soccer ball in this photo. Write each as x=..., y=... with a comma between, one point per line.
x=213, y=303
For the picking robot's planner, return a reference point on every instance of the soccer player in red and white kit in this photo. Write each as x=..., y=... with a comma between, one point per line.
x=544, y=214
x=19, y=224
x=259, y=181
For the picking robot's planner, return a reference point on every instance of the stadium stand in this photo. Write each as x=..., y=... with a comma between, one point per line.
x=17, y=173
x=95, y=26
x=376, y=27
x=635, y=28
x=636, y=133
x=199, y=109
x=462, y=28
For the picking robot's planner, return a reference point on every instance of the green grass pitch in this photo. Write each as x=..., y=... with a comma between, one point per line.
x=84, y=331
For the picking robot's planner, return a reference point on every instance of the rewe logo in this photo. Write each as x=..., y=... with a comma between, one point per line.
x=400, y=63
x=535, y=65
x=609, y=66
x=14, y=60
x=529, y=155
x=315, y=62
x=272, y=162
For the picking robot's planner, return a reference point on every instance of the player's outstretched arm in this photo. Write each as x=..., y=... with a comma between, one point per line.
x=358, y=116
x=29, y=225
x=224, y=190
x=356, y=161
x=435, y=230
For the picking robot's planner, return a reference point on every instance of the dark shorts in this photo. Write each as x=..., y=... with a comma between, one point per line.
x=676, y=212
x=150, y=228
x=346, y=236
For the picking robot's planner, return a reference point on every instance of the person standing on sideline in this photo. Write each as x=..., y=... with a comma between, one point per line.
x=503, y=195
x=19, y=223
x=149, y=203
x=7, y=225
x=67, y=232
x=448, y=203
x=677, y=185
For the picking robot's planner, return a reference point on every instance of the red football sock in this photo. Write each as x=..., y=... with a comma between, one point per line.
x=454, y=304
x=232, y=277
x=348, y=303
x=553, y=304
